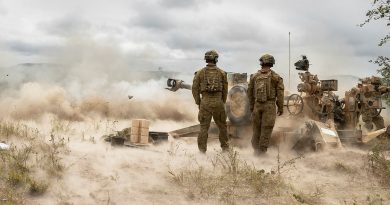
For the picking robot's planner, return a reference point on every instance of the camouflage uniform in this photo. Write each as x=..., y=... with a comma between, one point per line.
x=211, y=83
x=369, y=120
x=372, y=92
x=264, y=89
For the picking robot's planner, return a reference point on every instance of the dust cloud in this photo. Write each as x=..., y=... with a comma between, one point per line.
x=90, y=79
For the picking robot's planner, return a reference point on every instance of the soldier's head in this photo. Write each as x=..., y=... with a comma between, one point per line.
x=211, y=56
x=267, y=60
x=376, y=80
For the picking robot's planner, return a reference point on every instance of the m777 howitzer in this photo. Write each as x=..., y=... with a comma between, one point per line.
x=316, y=99
x=298, y=133
x=318, y=102
x=237, y=104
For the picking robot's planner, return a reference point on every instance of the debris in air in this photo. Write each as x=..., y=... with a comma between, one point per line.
x=4, y=146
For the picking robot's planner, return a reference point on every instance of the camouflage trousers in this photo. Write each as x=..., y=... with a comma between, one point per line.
x=370, y=119
x=215, y=110
x=263, y=121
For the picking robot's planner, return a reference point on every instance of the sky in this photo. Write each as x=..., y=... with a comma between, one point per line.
x=175, y=34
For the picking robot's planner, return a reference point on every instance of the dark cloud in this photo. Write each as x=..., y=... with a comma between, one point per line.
x=175, y=33
x=151, y=16
x=180, y=3
x=153, y=20
x=66, y=26
x=26, y=48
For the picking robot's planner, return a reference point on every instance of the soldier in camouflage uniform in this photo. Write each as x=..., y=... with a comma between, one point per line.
x=264, y=90
x=371, y=116
x=210, y=88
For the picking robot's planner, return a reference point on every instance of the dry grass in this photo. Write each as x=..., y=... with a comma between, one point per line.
x=313, y=198
x=379, y=161
x=343, y=168
x=30, y=154
x=229, y=180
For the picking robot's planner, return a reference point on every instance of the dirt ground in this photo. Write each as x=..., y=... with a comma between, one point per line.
x=97, y=173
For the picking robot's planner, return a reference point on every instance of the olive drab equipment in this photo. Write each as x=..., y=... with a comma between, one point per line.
x=211, y=55
x=264, y=88
x=212, y=80
x=267, y=59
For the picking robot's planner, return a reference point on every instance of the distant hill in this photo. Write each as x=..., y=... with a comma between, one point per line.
x=55, y=73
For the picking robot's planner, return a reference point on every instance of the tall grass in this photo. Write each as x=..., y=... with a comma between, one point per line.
x=30, y=153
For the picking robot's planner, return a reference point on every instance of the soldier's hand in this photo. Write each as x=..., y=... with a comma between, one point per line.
x=280, y=112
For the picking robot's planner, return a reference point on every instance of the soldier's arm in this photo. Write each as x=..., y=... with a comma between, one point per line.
x=196, y=88
x=250, y=93
x=280, y=94
x=225, y=87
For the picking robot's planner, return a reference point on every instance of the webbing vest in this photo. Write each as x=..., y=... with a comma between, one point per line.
x=211, y=81
x=264, y=87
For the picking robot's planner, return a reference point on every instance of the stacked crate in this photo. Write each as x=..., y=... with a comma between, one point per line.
x=139, y=131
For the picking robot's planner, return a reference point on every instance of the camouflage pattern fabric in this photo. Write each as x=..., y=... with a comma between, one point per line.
x=209, y=90
x=265, y=93
x=369, y=120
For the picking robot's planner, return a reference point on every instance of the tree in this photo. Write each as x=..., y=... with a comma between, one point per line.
x=381, y=12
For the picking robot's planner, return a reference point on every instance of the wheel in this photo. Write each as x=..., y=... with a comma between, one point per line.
x=237, y=105
x=295, y=104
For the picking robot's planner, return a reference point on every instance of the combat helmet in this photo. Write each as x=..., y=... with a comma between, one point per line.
x=376, y=80
x=267, y=59
x=211, y=55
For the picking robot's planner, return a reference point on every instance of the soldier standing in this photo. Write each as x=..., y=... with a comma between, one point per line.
x=264, y=90
x=371, y=90
x=210, y=89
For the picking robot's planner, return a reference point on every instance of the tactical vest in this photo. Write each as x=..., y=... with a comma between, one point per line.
x=211, y=81
x=265, y=87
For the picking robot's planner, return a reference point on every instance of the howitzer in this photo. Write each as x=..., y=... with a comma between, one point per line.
x=316, y=98
x=175, y=84
x=237, y=104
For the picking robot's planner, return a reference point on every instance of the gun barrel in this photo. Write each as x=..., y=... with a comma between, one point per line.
x=176, y=84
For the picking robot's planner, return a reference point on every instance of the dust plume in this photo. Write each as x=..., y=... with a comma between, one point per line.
x=91, y=79
x=33, y=101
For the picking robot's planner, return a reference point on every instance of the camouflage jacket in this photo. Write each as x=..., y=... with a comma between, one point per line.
x=274, y=88
x=199, y=82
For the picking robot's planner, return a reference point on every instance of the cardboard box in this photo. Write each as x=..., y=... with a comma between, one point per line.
x=140, y=131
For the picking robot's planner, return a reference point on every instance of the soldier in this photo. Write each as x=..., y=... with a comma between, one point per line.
x=264, y=89
x=371, y=90
x=211, y=83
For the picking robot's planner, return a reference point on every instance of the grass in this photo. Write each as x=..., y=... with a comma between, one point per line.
x=37, y=187
x=30, y=154
x=229, y=180
x=379, y=162
x=341, y=167
x=313, y=198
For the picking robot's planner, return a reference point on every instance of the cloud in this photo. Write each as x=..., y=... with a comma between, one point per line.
x=70, y=25
x=175, y=34
x=3, y=10
x=26, y=48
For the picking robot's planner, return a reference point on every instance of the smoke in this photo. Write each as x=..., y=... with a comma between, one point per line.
x=89, y=79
